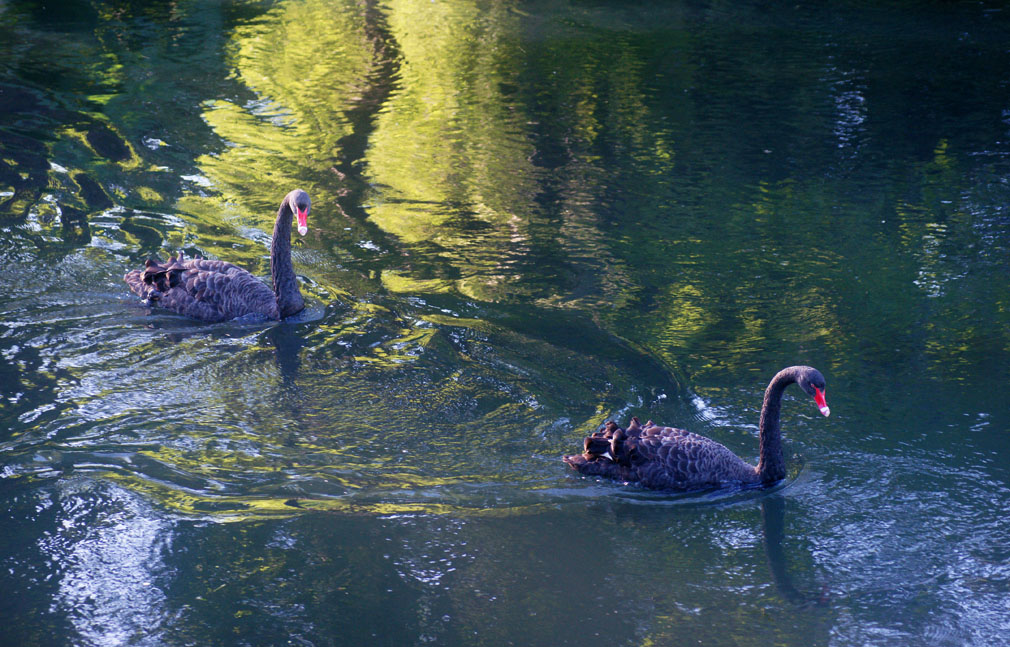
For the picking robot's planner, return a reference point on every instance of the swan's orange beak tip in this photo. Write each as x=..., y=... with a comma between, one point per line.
x=821, y=402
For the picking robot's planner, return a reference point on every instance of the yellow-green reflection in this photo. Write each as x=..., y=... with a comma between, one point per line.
x=503, y=169
x=370, y=430
x=234, y=508
x=449, y=146
x=306, y=63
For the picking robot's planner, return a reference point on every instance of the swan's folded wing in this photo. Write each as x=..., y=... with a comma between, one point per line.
x=668, y=458
x=217, y=296
x=196, y=294
x=209, y=265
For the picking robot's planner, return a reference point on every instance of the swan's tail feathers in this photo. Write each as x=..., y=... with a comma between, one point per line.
x=154, y=280
x=596, y=466
x=601, y=452
x=596, y=445
x=133, y=280
x=141, y=287
x=159, y=277
x=575, y=460
x=613, y=442
x=610, y=452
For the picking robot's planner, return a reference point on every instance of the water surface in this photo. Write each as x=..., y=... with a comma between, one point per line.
x=527, y=219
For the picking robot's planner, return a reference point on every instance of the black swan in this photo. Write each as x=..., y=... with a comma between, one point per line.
x=664, y=458
x=217, y=291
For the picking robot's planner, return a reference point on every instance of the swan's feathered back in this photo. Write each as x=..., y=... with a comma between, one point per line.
x=662, y=458
x=203, y=289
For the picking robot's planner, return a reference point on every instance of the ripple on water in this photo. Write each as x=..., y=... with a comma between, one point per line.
x=243, y=419
x=918, y=517
x=96, y=551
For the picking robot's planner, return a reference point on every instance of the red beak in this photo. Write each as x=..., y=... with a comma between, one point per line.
x=821, y=402
x=303, y=221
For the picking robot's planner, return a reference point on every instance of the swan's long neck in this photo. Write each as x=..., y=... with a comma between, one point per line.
x=289, y=298
x=772, y=463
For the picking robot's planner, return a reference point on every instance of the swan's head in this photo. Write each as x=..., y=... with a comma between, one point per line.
x=299, y=203
x=811, y=381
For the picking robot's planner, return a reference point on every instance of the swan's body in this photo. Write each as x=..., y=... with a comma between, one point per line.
x=217, y=291
x=665, y=458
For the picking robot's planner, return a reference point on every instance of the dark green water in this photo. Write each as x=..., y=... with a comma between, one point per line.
x=527, y=218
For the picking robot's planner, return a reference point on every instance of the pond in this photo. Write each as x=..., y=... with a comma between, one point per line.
x=527, y=219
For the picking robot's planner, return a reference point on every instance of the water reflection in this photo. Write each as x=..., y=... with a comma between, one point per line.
x=288, y=342
x=773, y=515
x=261, y=430
x=94, y=557
x=530, y=219
x=109, y=588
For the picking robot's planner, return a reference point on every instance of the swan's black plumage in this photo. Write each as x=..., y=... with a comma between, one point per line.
x=217, y=291
x=665, y=458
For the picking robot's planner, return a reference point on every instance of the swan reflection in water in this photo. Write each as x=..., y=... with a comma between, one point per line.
x=773, y=518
